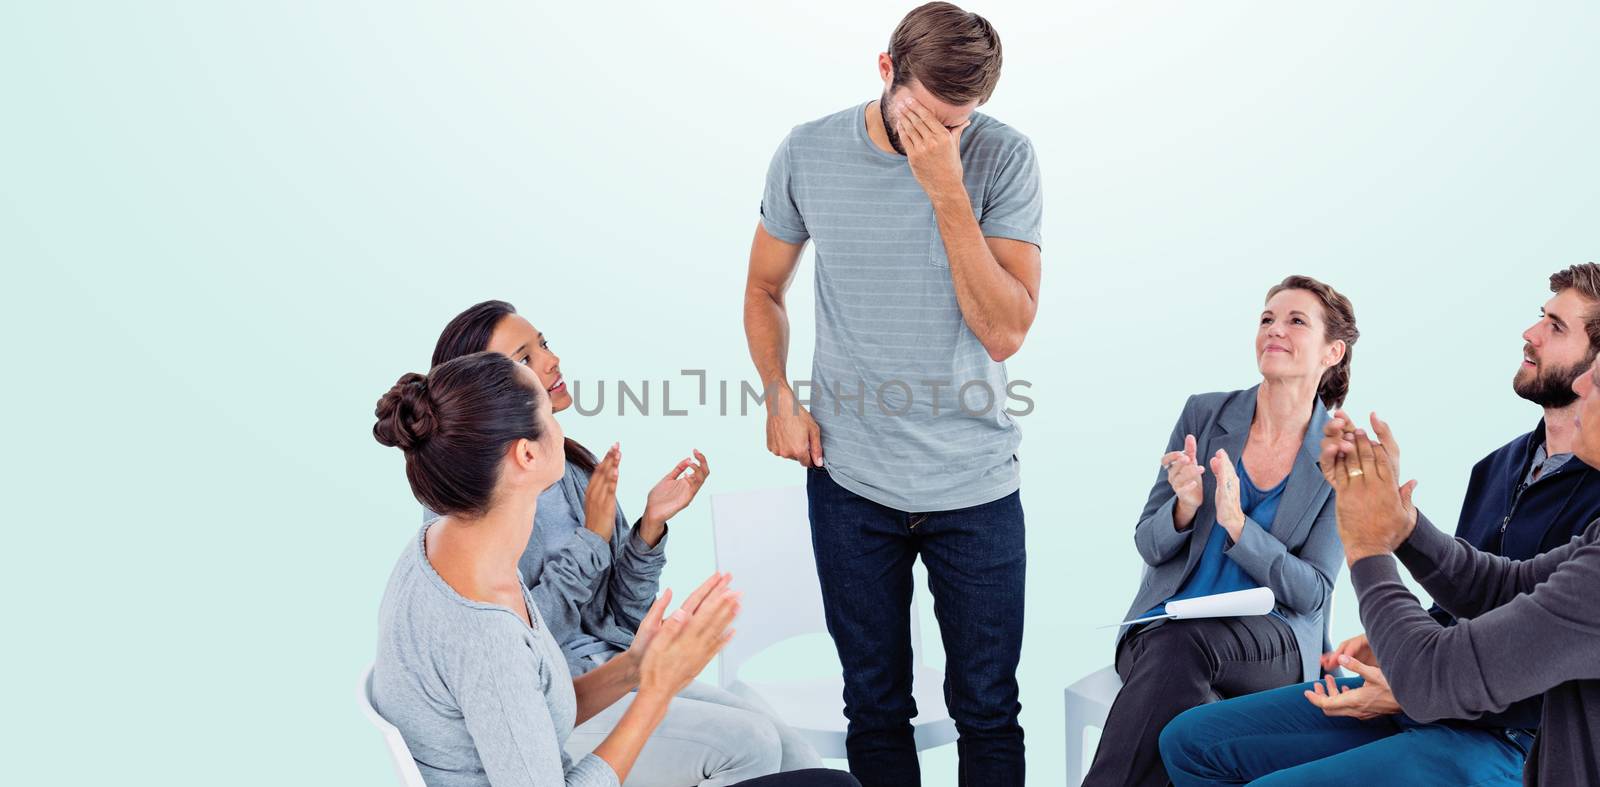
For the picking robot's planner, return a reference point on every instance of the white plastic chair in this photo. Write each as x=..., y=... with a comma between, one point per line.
x=1088, y=703
x=404, y=765
x=763, y=538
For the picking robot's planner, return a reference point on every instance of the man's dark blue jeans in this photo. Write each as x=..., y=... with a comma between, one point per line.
x=1279, y=738
x=976, y=560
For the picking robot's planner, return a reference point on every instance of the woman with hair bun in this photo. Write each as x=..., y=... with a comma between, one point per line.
x=1239, y=503
x=593, y=576
x=466, y=667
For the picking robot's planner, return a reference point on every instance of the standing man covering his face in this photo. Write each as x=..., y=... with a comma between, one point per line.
x=926, y=220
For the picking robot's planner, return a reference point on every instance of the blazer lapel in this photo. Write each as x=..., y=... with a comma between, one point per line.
x=1304, y=495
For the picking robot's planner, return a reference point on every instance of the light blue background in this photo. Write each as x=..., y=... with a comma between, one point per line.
x=227, y=227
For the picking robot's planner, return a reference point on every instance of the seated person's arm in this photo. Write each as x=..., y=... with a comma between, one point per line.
x=602, y=686
x=1166, y=522
x=569, y=577
x=510, y=723
x=1300, y=580
x=640, y=551
x=1466, y=582
x=567, y=580
x=635, y=573
x=598, y=688
x=1522, y=646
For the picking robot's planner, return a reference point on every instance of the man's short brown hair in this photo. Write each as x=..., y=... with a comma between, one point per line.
x=953, y=53
x=1585, y=278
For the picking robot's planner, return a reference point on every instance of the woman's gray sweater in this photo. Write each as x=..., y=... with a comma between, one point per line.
x=592, y=593
x=480, y=697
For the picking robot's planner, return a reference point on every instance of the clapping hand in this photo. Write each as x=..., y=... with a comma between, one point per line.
x=1229, y=512
x=1375, y=514
x=1186, y=477
x=678, y=647
x=600, y=499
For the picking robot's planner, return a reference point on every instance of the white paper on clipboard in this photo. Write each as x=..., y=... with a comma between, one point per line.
x=1236, y=604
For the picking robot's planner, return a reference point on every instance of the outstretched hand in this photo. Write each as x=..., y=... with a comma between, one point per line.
x=1368, y=701
x=676, y=489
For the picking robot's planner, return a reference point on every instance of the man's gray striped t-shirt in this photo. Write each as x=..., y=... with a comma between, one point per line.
x=911, y=407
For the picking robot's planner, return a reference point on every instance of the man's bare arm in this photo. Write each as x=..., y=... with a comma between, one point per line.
x=996, y=279
x=791, y=433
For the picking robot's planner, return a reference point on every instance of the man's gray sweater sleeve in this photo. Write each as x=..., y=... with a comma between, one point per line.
x=1532, y=624
x=1466, y=582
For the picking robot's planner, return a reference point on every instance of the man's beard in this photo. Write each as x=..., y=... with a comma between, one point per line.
x=1552, y=388
x=888, y=127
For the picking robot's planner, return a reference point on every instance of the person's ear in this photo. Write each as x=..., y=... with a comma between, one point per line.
x=1335, y=354
x=525, y=455
x=885, y=69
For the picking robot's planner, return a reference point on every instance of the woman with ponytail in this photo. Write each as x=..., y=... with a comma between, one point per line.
x=467, y=668
x=1238, y=503
x=594, y=576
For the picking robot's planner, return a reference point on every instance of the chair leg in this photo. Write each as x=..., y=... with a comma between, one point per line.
x=1080, y=717
x=1074, y=748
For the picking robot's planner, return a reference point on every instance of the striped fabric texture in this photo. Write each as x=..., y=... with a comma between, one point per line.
x=912, y=409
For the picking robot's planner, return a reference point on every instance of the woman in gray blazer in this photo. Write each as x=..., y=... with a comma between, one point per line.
x=1239, y=503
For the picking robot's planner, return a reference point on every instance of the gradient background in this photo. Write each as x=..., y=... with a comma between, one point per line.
x=227, y=228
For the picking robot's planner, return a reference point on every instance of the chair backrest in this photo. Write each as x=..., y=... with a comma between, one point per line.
x=405, y=767
x=763, y=537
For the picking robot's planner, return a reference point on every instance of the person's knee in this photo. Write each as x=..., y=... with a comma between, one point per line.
x=981, y=695
x=1182, y=740
x=757, y=747
x=729, y=744
x=875, y=702
x=985, y=713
